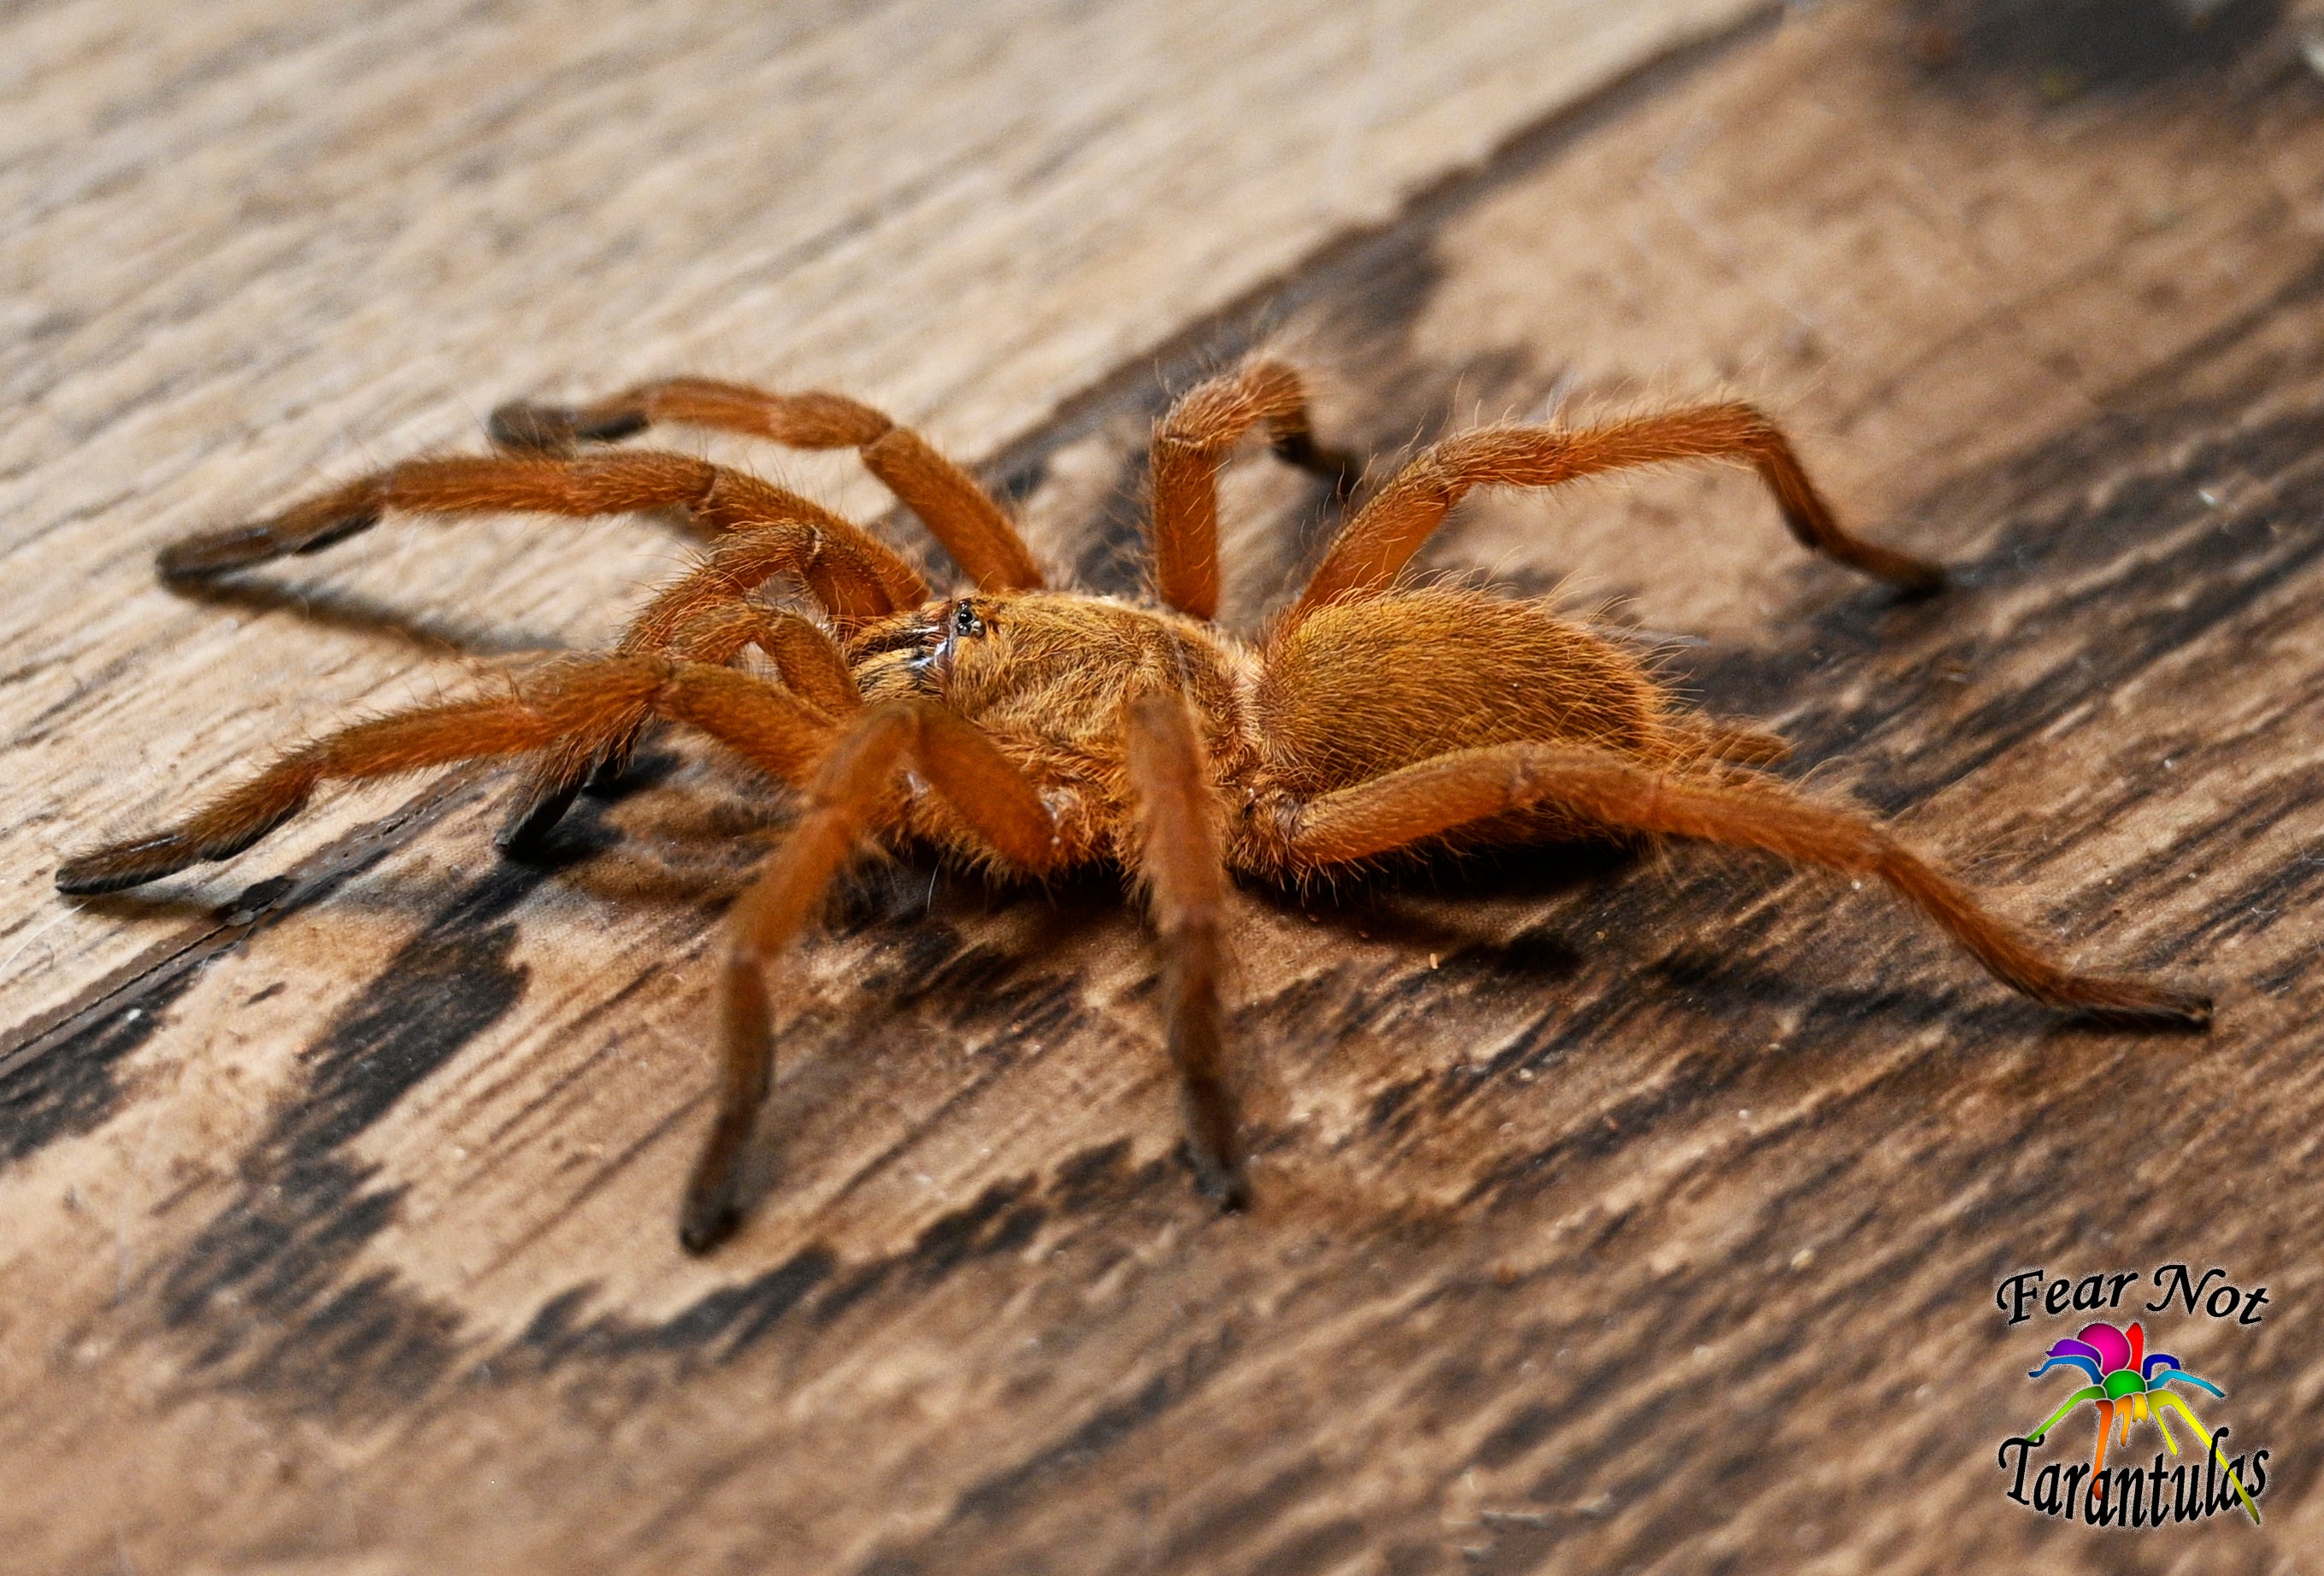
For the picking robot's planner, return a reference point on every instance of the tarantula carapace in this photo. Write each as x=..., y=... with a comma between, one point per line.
x=1029, y=731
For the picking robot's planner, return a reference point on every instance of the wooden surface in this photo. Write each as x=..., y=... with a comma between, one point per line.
x=1613, y=1216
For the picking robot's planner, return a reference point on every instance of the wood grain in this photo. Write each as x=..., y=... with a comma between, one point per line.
x=1611, y=1215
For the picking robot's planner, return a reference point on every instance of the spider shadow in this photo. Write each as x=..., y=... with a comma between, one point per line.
x=148, y=903
x=1406, y=903
x=352, y=613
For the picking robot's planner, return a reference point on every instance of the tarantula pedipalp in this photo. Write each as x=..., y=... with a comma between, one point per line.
x=1029, y=731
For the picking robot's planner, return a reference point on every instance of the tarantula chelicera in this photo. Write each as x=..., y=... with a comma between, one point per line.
x=1028, y=730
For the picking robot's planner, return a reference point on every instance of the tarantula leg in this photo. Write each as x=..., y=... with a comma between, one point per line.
x=590, y=763
x=559, y=429
x=770, y=728
x=706, y=617
x=849, y=795
x=1190, y=444
x=456, y=485
x=1185, y=872
x=852, y=574
x=810, y=660
x=849, y=584
x=384, y=747
x=719, y=501
x=1391, y=528
x=958, y=512
x=307, y=527
x=536, y=809
x=1423, y=801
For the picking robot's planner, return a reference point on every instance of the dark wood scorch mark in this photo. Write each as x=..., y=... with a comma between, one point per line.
x=263, y=1290
x=74, y=1084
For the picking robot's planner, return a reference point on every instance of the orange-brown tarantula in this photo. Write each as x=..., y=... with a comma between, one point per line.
x=1029, y=730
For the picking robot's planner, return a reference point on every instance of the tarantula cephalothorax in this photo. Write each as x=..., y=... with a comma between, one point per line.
x=1028, y=730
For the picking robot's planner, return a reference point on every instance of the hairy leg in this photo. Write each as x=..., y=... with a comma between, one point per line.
x=851, y=793
x=1424, y=801
x=957, y=511
x=747, y=559
x=1180, y=863
x=709, y=616
x=809, y=659
x=1392, y=526
x=861, y=575
x=771, y=728
x=763, y=532
x=1189, y=444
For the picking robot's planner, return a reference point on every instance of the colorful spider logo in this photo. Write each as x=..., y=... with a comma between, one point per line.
x=2127, y=1383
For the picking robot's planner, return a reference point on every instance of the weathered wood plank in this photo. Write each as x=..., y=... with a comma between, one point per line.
x=1656, y=1211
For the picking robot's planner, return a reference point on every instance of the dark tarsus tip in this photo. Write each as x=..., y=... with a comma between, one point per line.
x=233, y=843
x=555, y=429
x=1335, y=465
x=713, y=1206
x=1912, y=578
x=611, y=429
x=546, y=428
x=164, y=853
x=705, y=1223
x=125, y=865
x=338, y=530
x=2183, y=1011
x=199, y=558
x=533, y=818
x=1224, y=1183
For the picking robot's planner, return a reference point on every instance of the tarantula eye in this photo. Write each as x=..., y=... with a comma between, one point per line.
x=964, y=620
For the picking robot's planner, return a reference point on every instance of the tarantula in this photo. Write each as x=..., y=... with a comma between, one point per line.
x=1029, y=731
